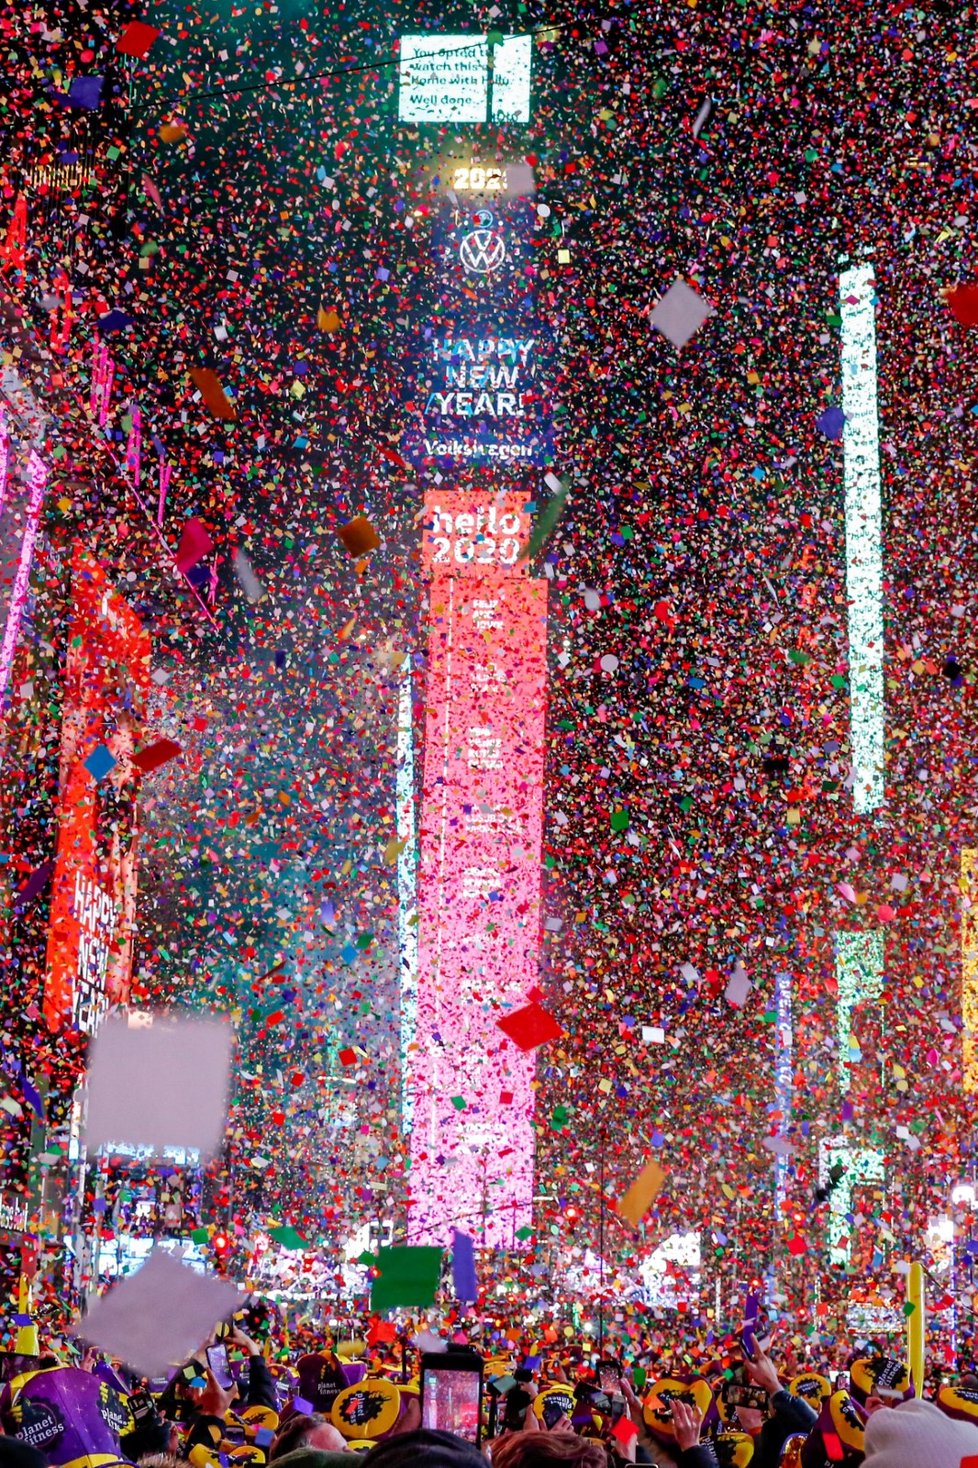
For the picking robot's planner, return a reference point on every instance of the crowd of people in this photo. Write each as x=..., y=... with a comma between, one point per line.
x=408, y=1396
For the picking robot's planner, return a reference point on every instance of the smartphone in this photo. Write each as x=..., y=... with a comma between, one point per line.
x=744, y=1394
x=217, y=1360
x=609, y=1376
x=558, y=1402
x=451, y=1394
x=517, y=1403
x=143, y=1408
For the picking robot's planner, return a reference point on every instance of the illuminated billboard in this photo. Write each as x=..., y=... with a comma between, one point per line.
x=463, y=528
x=478, y=382
x=477, y=385
x=464, y=79
x=472, y=1137
x=22, y=491
x=93, y=899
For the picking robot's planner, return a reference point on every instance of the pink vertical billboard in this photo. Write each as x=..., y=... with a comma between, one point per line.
x=21, y=505
x=479, y=894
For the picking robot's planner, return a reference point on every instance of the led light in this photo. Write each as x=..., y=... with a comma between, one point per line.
x=479, y=897
x=445, y=78
x=859, y=976
x=864, y=541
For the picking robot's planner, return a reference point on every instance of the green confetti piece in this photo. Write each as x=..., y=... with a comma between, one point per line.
x=544, y=524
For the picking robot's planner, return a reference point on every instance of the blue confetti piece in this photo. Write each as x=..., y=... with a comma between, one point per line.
x=85, y=91
x=831, y=423
x=100, y=762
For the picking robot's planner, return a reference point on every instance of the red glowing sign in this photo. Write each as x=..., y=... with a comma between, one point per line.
x=93, y=901
x=479, y=874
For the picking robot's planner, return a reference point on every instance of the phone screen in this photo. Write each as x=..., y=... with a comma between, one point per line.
x=609, y=1377
x=451, y=1401
x=217, y=1360
x=744, y=1394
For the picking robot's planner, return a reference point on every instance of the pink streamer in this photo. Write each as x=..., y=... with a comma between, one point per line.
x=134, y=446
x=165, y=472
x=103, y=373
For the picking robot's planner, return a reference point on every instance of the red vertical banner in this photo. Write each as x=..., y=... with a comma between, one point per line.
x=93, y=899
x=479, y=883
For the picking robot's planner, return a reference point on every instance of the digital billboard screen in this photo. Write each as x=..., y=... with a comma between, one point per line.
x=464, y=79
x=478, y=383
x=93, y=899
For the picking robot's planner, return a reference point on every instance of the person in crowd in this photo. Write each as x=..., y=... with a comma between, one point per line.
x=549, y=1450
x=687, y=1451
x=424, y=1448
x=787, y=1415
x=17, y=1454
x=305, y=1430
x=200, y=1422
x=318, y=1458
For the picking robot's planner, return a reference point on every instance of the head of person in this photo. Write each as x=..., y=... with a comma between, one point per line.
x=549, y=1450
x=917, y=1434
x=17, y=1454
x=316, y=1458
x=424, y=1449
x=306, y=1430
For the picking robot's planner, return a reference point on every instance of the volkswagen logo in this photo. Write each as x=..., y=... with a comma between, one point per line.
x=482, y=250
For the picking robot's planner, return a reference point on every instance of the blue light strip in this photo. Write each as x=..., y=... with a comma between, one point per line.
x=864, y=537
x=407, y=886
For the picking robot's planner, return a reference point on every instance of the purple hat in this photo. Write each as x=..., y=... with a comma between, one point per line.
x=72, y=1416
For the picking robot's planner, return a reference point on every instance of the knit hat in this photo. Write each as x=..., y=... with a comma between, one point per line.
x=426, y=1449
x=15, y=1454
x=917, y=1434
x=314, y=1458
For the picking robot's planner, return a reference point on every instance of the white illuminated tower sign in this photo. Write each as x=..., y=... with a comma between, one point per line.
x=477, y=419
x=864, y=536
x=859, y=956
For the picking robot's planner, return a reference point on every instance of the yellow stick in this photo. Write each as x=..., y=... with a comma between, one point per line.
x=916, y=1326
